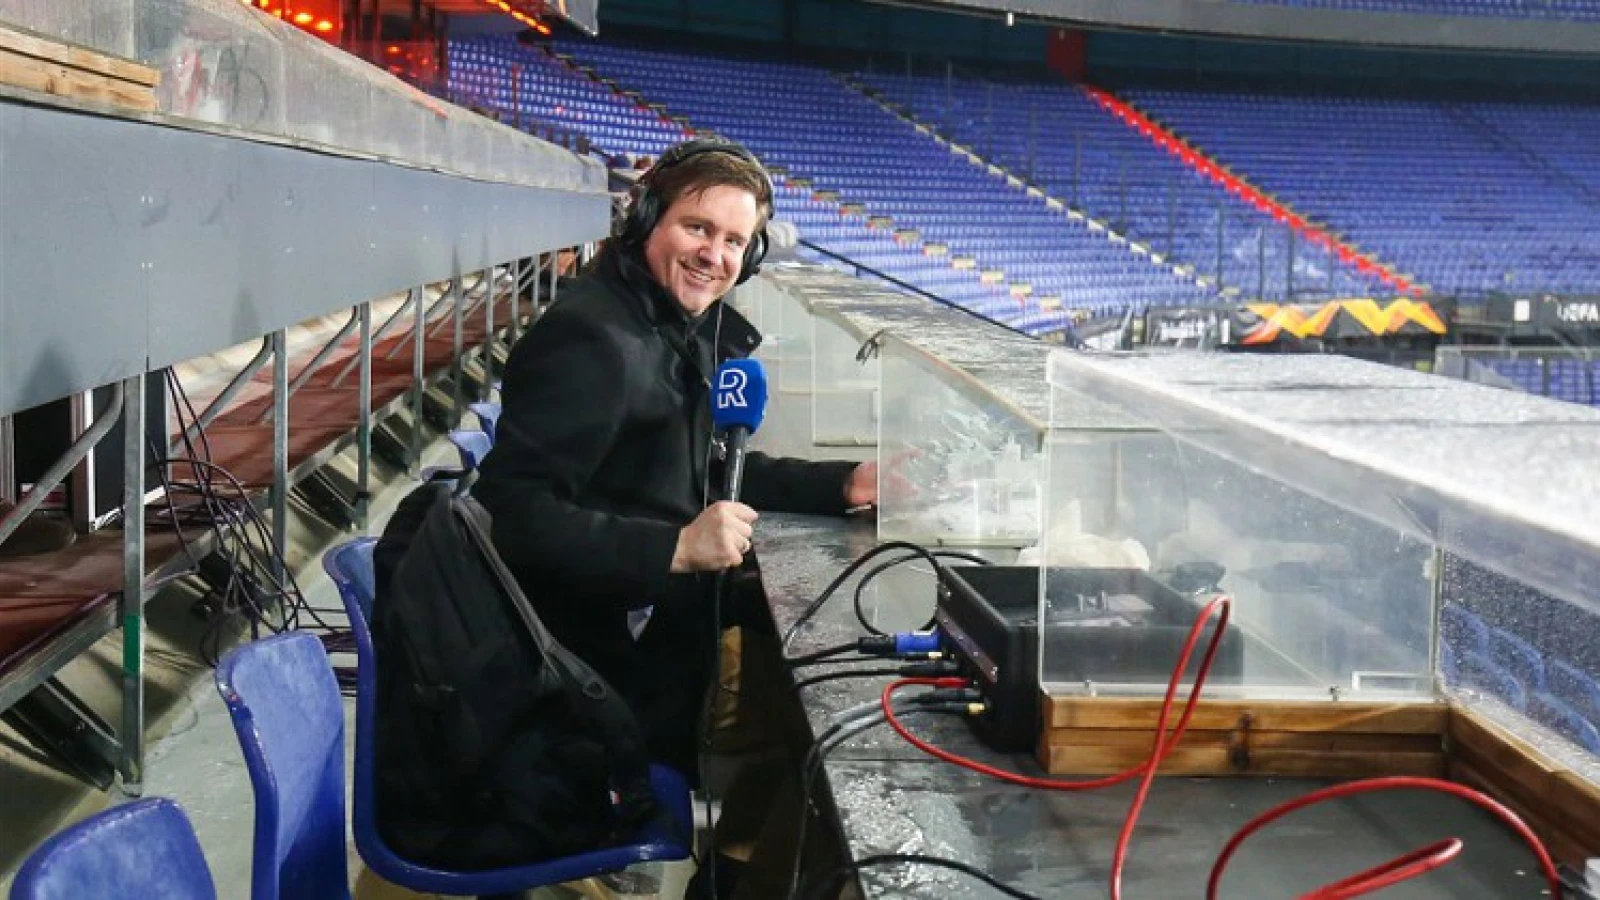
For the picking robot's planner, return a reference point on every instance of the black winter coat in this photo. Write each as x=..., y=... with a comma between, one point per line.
x=601, y=455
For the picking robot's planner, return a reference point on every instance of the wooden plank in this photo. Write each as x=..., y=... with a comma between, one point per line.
x=1380, y=742
x=114, y=67
x=65, y=81
x=1562, y=846
x=1222, y=761
x=1522, y=777
x=1263, y=715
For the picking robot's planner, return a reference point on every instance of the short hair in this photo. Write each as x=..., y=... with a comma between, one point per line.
x=708, y=169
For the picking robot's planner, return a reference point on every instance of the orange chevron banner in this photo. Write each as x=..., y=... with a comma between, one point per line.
x=1355, y=317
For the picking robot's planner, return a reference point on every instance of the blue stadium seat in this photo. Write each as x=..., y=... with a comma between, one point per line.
x=488, y=416
x=143, y=848
x=1485, y=674
x=1518, y=657
x=287, y=712
x=1462, y=629
x=350, y=567
x=472, y=446
x=1559, y=716
x=1574, y=686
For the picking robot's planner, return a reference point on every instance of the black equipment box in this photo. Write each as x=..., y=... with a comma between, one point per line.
x=1127, y=626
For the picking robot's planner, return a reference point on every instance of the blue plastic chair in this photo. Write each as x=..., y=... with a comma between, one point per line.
x=1463, y=629
x=488, y=415
x=145, y=848
x=1560, y=717
x=350, y=567
x=289, y=716
x=1481, y=672
x=1575, y=686
x=472, y=445
x=1518, y=657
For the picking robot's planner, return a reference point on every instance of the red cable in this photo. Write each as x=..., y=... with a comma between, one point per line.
x=1402, y=868
x=1163, y=744
x=1384, y=784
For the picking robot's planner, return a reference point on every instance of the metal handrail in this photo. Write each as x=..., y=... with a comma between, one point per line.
x=451, y=296
x=376, y=337
x=58, y=472
x=912, y=288
x=222, y=400
x=326, y=351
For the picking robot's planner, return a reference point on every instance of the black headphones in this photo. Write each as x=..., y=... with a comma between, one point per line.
x=646, y=210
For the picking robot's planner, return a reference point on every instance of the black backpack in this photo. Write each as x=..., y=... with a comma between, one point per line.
x=495, y=746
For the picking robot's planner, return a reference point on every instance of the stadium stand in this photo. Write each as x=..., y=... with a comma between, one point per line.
x=1060, y=138
x=1430, y=186
x=1561, y=10
x=858, y=180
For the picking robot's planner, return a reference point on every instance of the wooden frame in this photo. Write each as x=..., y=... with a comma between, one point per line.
x=1332, y=739
x=50, y=67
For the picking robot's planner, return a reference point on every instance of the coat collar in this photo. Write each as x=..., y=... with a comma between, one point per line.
x=734, y=335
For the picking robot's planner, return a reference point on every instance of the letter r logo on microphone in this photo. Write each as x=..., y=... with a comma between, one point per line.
x=740, y=397
x=730, y=388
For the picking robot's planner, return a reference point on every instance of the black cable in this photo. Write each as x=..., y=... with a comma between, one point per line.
x=840, y=661
x=242, y=497
x=830, y=886
x=861, y=614
x=718, y=588
x=831, y=739
x=233, y=522
x=810, y=611
x=838, y=676
x=822, y=655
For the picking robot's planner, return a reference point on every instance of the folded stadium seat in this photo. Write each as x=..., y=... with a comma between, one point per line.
x=1481, y=672
x=1574, y=686
x=1562, y=718
x=1518, y=657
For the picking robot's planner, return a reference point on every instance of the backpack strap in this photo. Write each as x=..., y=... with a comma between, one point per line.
x=476, y=519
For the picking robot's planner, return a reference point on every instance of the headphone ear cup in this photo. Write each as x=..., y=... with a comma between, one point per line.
x=641, y=220
x=753, y=255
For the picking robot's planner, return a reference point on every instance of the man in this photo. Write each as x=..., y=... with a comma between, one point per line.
x=603, y=484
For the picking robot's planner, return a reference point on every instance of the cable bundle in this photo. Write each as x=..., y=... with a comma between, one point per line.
x=248, y=582
x=852, y=722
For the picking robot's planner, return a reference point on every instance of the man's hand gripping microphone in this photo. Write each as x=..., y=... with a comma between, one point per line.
x=719, y=537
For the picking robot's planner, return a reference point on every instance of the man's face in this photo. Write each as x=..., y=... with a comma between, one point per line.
x=697, y=248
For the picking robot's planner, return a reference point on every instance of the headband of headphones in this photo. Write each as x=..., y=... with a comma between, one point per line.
x=646, y=210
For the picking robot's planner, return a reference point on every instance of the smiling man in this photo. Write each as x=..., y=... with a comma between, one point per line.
x=603, y=482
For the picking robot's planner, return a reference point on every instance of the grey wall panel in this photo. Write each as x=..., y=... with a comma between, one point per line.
x=411, y=227
x=317, y=210
x=1220, y=17
x=125, y=246
x=196, y=246
x=74, y=279
x=470, y=214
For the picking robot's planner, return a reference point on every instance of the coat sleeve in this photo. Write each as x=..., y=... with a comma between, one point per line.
x=781, y=484
x=564, y=402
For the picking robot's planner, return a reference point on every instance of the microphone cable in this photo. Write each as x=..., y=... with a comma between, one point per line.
x=719, y=587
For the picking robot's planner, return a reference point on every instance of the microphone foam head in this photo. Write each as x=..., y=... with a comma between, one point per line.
x=739, y=396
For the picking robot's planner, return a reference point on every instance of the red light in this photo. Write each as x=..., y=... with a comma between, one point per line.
x=303, y=18
x=324, y=26
x=393, y=49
